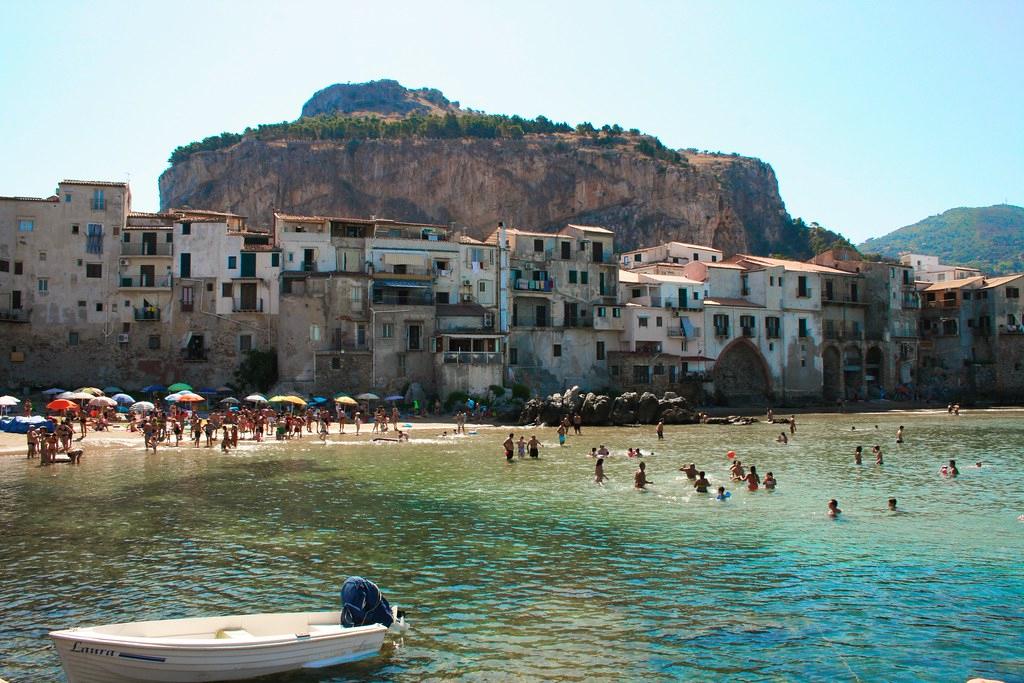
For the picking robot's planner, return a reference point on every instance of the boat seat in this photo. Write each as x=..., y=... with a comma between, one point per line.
x=234, y=633
x=320, y=629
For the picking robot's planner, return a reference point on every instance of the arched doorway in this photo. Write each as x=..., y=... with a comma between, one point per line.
x=873, y=372
x=832, y=374
x=853, y=372
x=741, y=375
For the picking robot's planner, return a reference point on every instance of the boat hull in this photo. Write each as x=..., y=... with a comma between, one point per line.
x=212, y=649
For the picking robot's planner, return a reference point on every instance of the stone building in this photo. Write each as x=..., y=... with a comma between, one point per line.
x=60, y=317
x=675, y=253
x=562, y=290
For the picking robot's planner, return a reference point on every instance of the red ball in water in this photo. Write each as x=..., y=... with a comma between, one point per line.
x=731, y=454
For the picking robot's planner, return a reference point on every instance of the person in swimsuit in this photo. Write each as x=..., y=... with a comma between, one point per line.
x=857, y=454
x=690, y=471
x=702, y=484
x=833, y=509
x=521, y=447
x=640, y=480
x=509, y=444
x=561, y=434
x=877, y=450
x=599, y=475
x=951, y=470
x=899, y=435
x=722, y=494
x=753, y=479
x=737, y=471
x=782, y=438
x=892, y=505
x=534, y=446
x=769, y=481
x=602, y=451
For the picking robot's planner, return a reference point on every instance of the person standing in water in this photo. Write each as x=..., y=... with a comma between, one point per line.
x=753, y=479
x=534, y=445
x=857, y=454
x=892, y=505
x=599, y=475
x=833, y=509
x=951, y=470
x=561, y=433
x=769, y=481
x=899, y=435
x=509, y=445
x=702, y=483
x=521, y=447
x=877, y=450
x=792, y=424
x=640, y=480
x=660, y=429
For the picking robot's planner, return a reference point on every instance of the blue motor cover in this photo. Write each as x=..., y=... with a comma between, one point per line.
x=362, y=603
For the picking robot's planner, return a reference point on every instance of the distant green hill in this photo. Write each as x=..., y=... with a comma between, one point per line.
x=990, y=238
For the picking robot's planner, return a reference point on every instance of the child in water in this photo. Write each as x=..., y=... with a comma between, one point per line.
x=769, y=481
x=857, y=453
x=599, y=475
x=722, y=494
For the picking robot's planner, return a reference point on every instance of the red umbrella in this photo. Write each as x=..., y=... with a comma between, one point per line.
x=62, y=404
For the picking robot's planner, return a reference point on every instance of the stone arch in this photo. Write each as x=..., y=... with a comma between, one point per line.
x=832, y=373
x=853, y=372
x=873, y=369
x=741, y=374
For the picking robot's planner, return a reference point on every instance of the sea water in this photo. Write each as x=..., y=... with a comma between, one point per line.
x=529, y=571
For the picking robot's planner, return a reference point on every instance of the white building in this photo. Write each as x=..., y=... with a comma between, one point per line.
x=928, y=269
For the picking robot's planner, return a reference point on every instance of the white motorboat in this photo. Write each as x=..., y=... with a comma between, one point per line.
x=227, y=648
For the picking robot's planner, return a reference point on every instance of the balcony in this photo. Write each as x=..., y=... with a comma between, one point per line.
x=721, y=331
x=418, y=272
x=1003, y=329
x=945, y=303
x=842, y=334
x=145, y=282
x=347, y=344
x=524, y=321
x=403, y=299
x=251, y=306
x=151, y=313
x=524, y=285
x=194, y=355
x=145, y=249
x=675, y=332
x=607, y=322
x=804, y=293
x=578, y=321
x=748, y=332
x=608, y=291
x=835, y=298
x=472, y=357
x=13, y=315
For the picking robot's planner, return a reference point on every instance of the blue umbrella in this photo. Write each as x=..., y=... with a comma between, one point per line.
x=123, y=398
x=54, y=392
x=152, y=388
x=207, y=390
x=318, y=399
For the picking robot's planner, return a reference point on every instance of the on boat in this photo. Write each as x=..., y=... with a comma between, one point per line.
x=230, y=648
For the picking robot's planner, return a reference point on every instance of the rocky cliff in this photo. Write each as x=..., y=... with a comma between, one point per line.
x=532, y=181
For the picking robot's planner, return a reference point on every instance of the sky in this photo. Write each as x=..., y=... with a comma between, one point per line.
x=874, y=115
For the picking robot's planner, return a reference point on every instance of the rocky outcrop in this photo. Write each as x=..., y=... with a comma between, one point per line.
x=539, y=181
x=598, y=410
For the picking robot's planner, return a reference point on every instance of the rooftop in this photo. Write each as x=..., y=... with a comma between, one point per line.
x=592, y=228
x=727, y=301
x=52, y=198
x=98, y=183
x=798, y=266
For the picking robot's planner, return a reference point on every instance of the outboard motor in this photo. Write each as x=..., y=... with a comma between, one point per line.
x=363, y=604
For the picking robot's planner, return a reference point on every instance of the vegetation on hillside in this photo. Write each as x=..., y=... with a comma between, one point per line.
x=805, y=240
x=448, y=126
x=990, y=238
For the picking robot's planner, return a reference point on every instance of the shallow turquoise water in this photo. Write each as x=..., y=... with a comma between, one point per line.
x=530, y=571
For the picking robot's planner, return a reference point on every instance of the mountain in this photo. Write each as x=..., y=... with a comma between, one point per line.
x=990, y=238
x=378, y=148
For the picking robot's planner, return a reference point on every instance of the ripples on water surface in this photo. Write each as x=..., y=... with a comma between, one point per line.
x=530, y=571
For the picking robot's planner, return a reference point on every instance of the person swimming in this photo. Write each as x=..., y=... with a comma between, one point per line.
x=951, y=470
x=833, y=508
x=892, y=505
x=782, y=438
x=702, y=483
x=722, y=494
x=769, y=481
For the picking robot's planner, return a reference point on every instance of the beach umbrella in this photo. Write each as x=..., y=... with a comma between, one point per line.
x=396, y=397
x=103, y=401
x=207, y=390
x=256, y=398
x=368, y=397
x=154, y=388
x=291, y=398
x=54, y=392
x=8, y=401
x=190, y=398
x=66, y=394
x=318, y=399
x=92, y=391
x=142, y=407
x=112, y=390
x=78, y=396
x=123, y=398
x=346, y=401
x=224, y=389
x=180, y=386
x=61, y=404
x=230, y=400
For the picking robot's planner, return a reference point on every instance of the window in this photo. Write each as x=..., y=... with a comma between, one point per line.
x=747, y=325
x=556, y=350
x=641, y=322
x=94, y=270
x=616, y=312
x=615, y=370
x=637, y=293
x=696, y=256
x=538, y=245
x=1012, y=292
x=641, y=374
x=42, y=256
x=72, y=339
x=169, y=237
x=75, y=229
x=771, y=327
x=584, y=277
x=513, y=356
x=244, y=343
x=18, y=268
x=43, y=285
x=572, y=277
x=275, y=260
x=5, y=266
x=387, y=330
x=802, y=328
x=153, y=342
x=659, y=369
x=67, y=197
x=482, y=286
x=225, y=289
x=566, y=250
x=99, y=201
x=186, y=228
x=714, y=258
x=601, y=311
x=99, y=307
x=771, y=280
x=639, y=258
x=232, y=262
x=185, y=264
x=26, y=225
x=600, y=350
x=721, y=322
x=442, y=297
x=414, y=335
x=802, y=289
x=336, y=363
x=658, y=322
x=314, y=333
